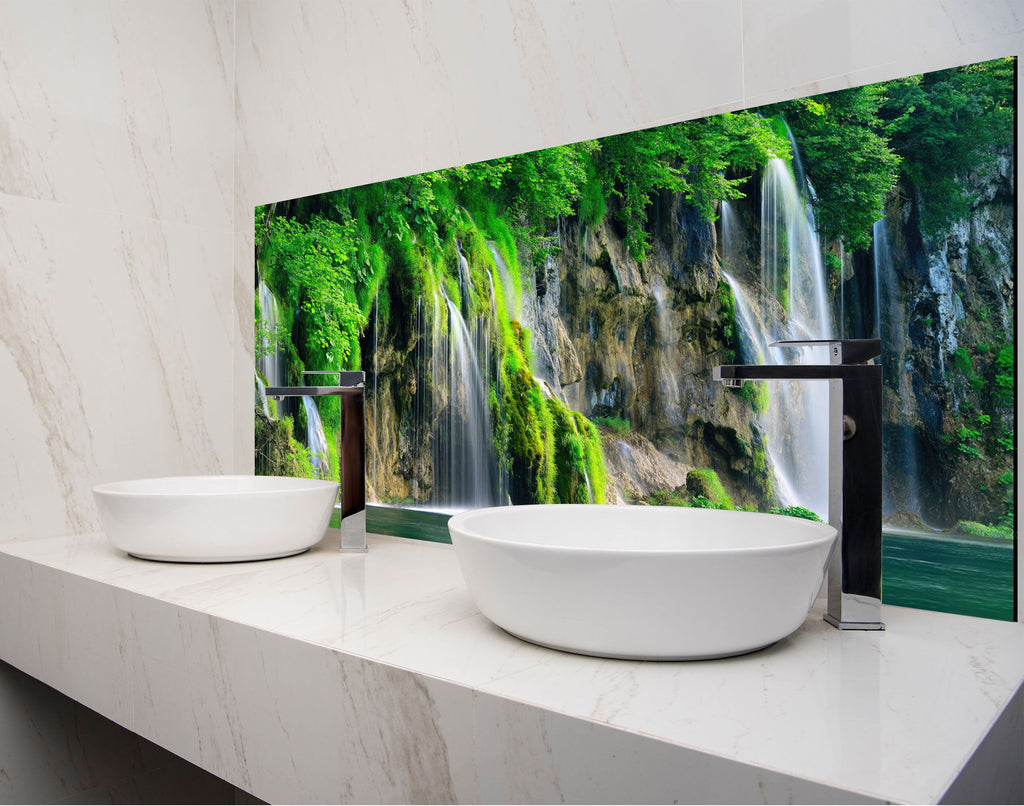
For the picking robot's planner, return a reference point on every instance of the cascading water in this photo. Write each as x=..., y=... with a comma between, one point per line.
x=666, y=372
x=315, y=438
x=901, y=483
x=792, y=304
x=791, y=264
x=271, y=363
x=512, y=304
x=464, y=461
x=271, y=355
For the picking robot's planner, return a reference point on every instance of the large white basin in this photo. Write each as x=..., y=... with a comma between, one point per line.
x=654, y=583
x=208, y=519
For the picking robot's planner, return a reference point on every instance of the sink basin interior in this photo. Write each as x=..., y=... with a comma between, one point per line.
x=658, y=583
x=215, y=518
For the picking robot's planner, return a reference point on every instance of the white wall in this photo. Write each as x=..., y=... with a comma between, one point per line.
x=136, y=137
x=117, y=309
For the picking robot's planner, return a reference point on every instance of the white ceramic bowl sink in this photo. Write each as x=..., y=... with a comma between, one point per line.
x=653, y=583
x=209, y=519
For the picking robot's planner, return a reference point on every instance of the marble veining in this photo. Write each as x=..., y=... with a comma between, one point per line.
x=319, y=663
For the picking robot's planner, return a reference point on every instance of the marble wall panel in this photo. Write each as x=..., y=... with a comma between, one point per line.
x=821, y=45
x=116, y=228
x=433, y=84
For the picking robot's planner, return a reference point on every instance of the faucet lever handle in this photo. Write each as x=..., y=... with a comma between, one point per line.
x=842, y=351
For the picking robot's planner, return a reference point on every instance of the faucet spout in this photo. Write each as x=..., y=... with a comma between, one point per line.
x=855, y=469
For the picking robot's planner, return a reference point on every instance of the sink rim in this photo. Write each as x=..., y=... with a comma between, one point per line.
x=268, y=485
x=819, y=532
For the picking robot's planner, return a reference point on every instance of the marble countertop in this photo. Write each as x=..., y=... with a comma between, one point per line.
x=374, y=678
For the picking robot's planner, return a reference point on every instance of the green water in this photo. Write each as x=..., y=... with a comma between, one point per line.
x=969, y=576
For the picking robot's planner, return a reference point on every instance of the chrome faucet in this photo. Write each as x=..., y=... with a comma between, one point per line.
x=352, y=451
x=854, y=470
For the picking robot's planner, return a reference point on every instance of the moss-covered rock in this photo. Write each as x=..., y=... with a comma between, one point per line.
x=704, y=482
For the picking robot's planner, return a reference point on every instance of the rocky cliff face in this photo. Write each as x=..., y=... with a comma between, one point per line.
x=617, y=339
x=947, y=327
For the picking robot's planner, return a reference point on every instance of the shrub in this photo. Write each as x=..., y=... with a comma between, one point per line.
x=795, y=511
x=976, y=529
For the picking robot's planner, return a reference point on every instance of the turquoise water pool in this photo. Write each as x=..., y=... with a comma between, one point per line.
x=970, y=576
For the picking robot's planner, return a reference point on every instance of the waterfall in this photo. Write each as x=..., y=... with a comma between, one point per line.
x=464, y=460
x=901, y=483
x=316, y=440
x=665, y=372
x=590, y=487
x=271, y=357
x=508, y=290
x=790, y=303
x=261, y=396
x=271, y=363
x=791, y=264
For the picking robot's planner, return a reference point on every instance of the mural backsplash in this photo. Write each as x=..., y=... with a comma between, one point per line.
x=542, y=327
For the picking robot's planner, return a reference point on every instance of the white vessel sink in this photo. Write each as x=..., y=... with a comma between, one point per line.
x=653, y=583
x=208, y=519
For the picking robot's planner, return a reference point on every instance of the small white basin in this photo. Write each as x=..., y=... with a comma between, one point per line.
x=209, y=519
x=652, y=583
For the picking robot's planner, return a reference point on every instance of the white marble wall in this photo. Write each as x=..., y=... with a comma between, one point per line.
x=117, y=310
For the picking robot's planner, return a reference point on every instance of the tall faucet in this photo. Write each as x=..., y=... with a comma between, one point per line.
x=854, y=470
x=352, y=450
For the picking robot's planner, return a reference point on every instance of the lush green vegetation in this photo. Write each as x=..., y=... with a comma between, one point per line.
x=616, y=425
x=933, y=129
x=332, y=257
x=795, y=511
x=976, y=529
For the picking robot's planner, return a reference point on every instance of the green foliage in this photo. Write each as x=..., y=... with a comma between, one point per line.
x=976, y=529
x=727, y=315
x=579, y=460
x=277, y=451
x=668, y=498
x=847, y=159
x=947, y=124
x=756, y=393
x=701, y=502
x=1005, y=387
x=690, y=158
x=934, y=129
x=617, y=425
x=312, y=265
x=703, y=483
x=796, y=511
x=967, y=440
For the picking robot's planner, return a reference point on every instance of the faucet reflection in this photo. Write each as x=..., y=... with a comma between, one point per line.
x=352, y=451
x=854, y=470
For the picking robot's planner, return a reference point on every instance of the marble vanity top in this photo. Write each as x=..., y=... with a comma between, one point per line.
x=373, y=678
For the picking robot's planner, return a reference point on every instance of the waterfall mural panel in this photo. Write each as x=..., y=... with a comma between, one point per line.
x=542, y=327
